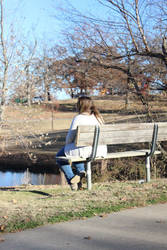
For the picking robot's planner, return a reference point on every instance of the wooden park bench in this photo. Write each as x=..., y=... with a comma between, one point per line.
x=120, y=134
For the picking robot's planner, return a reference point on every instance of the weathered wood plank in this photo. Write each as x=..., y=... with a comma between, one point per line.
x=130, y=153
x=123, y=126
x=141, y=152
x=118, y=137
x=121, y=134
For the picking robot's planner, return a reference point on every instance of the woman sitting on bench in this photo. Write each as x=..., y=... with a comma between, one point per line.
x=88, y=115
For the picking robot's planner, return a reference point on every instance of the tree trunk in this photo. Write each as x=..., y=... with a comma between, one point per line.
x=5, y=66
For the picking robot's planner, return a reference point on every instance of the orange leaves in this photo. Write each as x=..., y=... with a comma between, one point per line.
x=2, y=228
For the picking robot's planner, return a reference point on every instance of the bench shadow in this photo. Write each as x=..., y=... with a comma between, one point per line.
x=9, y=189
x=40, y=192
x=14, y=189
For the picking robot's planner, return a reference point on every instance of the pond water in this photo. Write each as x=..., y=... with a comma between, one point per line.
x=11, y=178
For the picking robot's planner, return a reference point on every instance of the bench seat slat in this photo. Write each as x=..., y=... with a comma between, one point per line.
x=114, y=155
x=130, y=153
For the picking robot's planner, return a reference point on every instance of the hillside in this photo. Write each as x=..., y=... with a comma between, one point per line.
x=32, y=136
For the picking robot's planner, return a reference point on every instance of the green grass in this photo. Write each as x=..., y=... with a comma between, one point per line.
x=23, y=209
x=69, y=216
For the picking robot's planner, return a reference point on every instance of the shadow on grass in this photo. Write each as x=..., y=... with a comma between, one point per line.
x=40, y=192
x=67, y=107
x=9, y=189
x=14, y=189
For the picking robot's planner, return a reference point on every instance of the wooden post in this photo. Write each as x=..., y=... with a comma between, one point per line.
x=103, y=166
x=62, y=178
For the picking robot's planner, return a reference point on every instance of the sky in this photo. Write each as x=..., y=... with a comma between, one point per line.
x=33, y=18
x=36, y=19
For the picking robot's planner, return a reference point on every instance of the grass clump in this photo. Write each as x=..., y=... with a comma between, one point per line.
x=32, y=206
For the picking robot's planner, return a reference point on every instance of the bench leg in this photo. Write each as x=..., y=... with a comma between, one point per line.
x=62, y=179
x=88, y=172
x=147, y=169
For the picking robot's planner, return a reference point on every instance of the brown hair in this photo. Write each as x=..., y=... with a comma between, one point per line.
x=85, y=104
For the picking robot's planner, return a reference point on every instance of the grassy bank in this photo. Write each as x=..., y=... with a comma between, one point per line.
x=31, y=206
x=41, y=130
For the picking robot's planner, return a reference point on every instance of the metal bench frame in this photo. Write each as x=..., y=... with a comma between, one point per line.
x=94, y=150
x=148, y=154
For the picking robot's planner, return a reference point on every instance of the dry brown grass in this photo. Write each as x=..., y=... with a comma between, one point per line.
x=36, y=119
x=40, y=204
x=25, y=205
x=25, y=126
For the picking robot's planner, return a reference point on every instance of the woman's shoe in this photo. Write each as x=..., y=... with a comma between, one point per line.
x=74, y=182
x=75, y=179
x=82, y=174
x=74, y=186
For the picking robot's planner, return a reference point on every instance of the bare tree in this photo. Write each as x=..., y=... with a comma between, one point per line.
x=133, y=28
x=139, y=20
x=4, y=62
x=48, y=70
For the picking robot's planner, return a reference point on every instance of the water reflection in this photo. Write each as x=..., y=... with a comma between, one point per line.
x=9, y=178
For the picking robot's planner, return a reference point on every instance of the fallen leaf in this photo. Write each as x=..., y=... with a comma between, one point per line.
x=160, y=221
x=124, y=199
x=14, y=201
x=2, y=227
x=103, y=215
x=87, y=238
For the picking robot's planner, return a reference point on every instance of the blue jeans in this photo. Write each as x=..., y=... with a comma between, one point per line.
x=66, y=167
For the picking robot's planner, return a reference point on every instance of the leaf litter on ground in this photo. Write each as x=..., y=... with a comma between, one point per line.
x=30, y=206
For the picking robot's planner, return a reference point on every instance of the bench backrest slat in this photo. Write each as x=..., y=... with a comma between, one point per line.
x=121, y=133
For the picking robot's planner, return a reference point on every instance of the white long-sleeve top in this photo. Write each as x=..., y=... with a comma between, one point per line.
x=84, y=152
